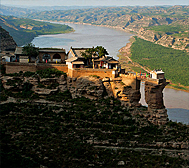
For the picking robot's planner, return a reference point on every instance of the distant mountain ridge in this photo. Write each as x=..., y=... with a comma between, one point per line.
x=16, y=11
x=172, y=21
x=20, y=11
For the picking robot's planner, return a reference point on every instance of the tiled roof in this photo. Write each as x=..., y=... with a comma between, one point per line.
x=71, y=59
x=78, y=52
x=8, y=54
x=107, y=59
x=18, y=50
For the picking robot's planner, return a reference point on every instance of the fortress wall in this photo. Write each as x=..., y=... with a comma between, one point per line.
x=77, y=72
x=131, y=80
x=16, y=67
x=60, y=67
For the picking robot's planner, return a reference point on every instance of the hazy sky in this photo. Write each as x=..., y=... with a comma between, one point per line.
x=93, y=2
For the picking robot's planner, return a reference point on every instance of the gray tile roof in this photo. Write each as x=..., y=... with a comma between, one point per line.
x=71, y=59
x=18, y=50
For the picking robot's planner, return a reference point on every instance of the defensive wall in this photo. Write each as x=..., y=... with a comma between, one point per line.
x=15, y=67
x=131, y=80
x=60, y=67
x=78, y=72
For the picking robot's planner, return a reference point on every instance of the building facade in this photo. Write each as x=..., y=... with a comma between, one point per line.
x=52, y=55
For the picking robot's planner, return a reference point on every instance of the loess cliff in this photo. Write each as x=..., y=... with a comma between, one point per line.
x=125, y=89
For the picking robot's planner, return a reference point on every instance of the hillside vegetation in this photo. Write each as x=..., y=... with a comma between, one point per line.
x=175, y=63
x=24, y=30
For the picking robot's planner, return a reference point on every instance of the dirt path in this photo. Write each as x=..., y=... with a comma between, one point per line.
x=170, y=152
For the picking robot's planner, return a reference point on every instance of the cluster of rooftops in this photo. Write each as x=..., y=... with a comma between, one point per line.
x=73, y=58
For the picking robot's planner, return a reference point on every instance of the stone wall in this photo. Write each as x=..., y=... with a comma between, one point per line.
x=125, y=93
x=131, y=80
x=78, y=72
x=32, y=67
x=17, y=67
x=60, y=67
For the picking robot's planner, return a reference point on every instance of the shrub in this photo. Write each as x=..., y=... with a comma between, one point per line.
x=3, y=69
x=29, y=74
x=50, y=73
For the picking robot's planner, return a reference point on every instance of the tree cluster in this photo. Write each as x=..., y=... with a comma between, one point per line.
x=97, y=51
x=30, y=50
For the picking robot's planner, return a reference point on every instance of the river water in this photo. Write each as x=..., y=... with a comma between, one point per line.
x=176, y=102
x=86, y=36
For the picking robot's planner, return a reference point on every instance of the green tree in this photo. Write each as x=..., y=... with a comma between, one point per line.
x=101, y=51
x=30, y=50
x=88, y=54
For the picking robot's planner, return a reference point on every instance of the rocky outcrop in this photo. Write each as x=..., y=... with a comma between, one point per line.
x=89, y=87
x=154, y=95
x=94, y=88
x=176, y=43
x=148, y=35
x=157, y=114
x=164, y=39
x=139, y=21
x=107, y=86
x=7, y=42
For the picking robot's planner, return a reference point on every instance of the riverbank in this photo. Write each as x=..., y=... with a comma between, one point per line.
x=178, y=87
x=127, y=63
x=80, y=23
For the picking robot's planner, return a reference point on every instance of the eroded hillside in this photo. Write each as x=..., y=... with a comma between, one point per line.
x=159, y=24
x=53, y=124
